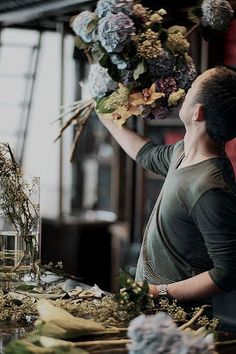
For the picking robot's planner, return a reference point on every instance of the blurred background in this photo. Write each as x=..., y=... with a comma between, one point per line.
x=93, y=210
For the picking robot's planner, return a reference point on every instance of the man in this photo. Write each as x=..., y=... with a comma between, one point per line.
x=189, y=245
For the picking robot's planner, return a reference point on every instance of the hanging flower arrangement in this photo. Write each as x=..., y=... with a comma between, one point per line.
x=139, y=65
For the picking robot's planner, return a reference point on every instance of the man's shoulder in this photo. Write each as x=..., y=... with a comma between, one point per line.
x=205, y=177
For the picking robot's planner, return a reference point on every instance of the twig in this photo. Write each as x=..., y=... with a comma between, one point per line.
x=198, y=314
x=227, y=342
x=104, y=343
x=192, y=29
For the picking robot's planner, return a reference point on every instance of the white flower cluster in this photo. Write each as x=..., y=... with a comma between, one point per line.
x=159, y=335
x=99, y=81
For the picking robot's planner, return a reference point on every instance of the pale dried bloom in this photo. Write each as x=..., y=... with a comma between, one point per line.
x=176, y=43
x=149, y=45
x=175, y=97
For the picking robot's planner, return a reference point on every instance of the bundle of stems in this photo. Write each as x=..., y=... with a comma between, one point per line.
x=81, y=112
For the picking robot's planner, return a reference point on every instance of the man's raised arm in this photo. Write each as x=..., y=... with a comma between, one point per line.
x=130, y=141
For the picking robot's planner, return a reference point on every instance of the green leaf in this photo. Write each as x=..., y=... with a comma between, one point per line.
x=25, y=287
x=140, y=69
x=105, y=61
x=101, y=106
x=91, y=26
x=79, y=43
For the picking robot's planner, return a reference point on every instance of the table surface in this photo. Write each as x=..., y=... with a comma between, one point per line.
x=10, y=331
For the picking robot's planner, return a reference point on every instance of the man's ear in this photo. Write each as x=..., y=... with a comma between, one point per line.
x=198, y=112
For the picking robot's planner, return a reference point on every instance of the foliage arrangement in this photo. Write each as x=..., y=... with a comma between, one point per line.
x=139, y=66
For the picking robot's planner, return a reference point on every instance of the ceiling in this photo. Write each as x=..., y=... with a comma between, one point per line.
x=44, y=14
x=41, y=14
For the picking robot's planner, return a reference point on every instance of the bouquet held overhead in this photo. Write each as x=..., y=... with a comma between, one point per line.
x=139, y=66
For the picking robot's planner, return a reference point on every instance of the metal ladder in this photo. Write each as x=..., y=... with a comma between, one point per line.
x=25, y=103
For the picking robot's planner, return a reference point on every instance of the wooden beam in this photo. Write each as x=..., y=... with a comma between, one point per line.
x=41, y=11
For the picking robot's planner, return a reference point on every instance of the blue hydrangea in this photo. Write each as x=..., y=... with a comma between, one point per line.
x=114, y=31
x=108, y=7
x=100, y=82
x=159, y=334
x=216, y=14
x=80, y=26
x=118, y=61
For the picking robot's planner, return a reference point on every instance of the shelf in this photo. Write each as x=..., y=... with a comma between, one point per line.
x=168, y=122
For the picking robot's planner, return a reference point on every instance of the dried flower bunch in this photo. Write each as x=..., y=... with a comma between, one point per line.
x=159, y=334
x=17, y=204
x=140, y=68
x=16, y=310
x=212, y=15
x=15, y=192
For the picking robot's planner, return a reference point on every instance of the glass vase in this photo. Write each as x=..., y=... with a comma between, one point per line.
x=19, y=230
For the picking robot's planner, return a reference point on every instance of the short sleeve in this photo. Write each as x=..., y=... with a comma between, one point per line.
x=215, y=216
x=155, y=158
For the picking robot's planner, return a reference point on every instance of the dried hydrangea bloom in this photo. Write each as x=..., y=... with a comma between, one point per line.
x=166, y=85
x=118, y=61
x=176, y=43
x=150, y=45
x=175, y=97
x=185, y=73
x=80, y=26
x=216, y=14
x=162, y=66
x=99, y=81
x=159, y=334
x=108, y=7
x=142, y=12
x=114, y=32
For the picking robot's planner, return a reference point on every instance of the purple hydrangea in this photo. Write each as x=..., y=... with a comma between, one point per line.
x=166, y=85
x=118, y=61
x=216, y=14
x=99, y=81
x=161, y=66
x=185, y=74
x=108, y=7
x=159, y=334
x=128, y=78
x=80, y=26
x=114, y=31
x=160, y=112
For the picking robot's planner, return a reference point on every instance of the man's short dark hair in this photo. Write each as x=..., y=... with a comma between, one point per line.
x=218, y=98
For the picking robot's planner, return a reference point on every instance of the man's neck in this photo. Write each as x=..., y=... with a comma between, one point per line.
x=199, y=147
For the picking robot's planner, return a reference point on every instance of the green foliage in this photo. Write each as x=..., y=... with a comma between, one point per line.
x=101, y=105
x=140, y=69
x=134, y=297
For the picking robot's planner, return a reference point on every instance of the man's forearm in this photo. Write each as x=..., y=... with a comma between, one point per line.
x=130, y=141
x=198, y=287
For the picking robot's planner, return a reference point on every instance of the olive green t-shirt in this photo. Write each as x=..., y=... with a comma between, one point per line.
x=192, y=227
